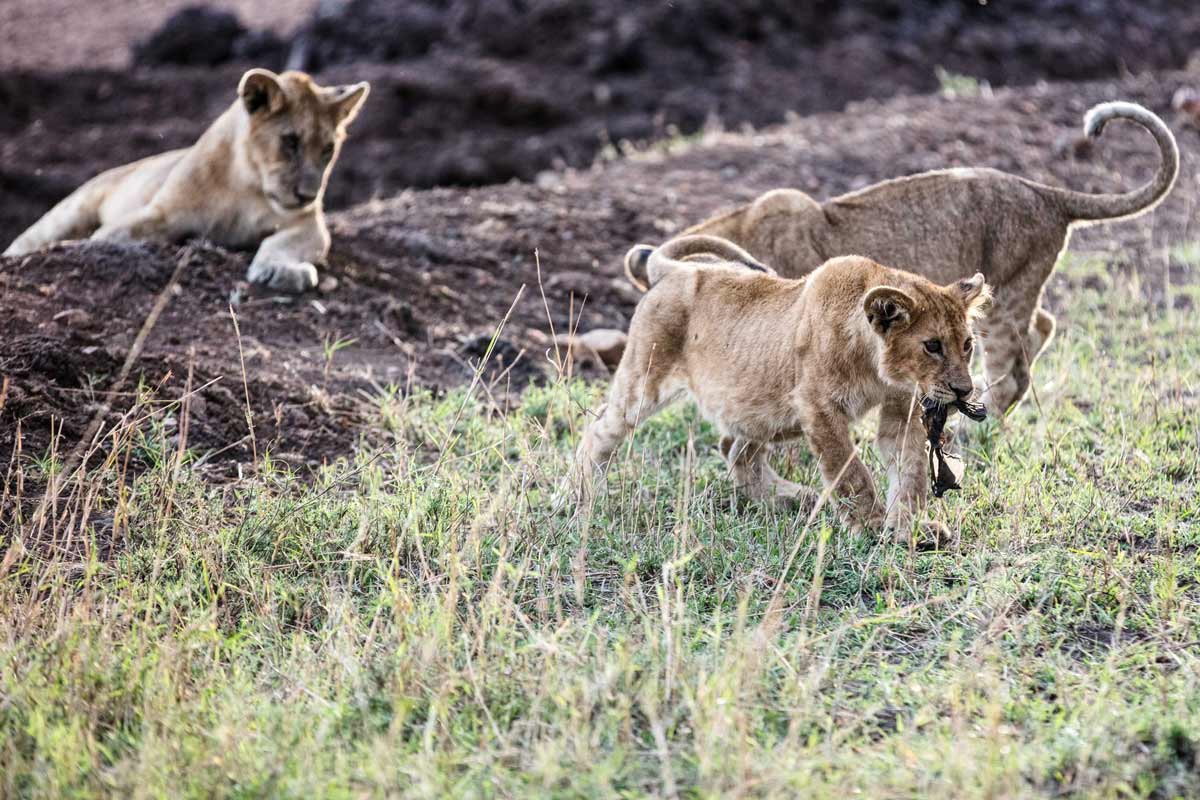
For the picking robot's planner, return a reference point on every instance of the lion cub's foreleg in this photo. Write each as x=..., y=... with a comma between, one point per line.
x=147, y=224
x=828, y=433
x=287, y=260
x=901, y=443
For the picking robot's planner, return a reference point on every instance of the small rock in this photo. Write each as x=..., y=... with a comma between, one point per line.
x=73, y=317
x=604, y=344
x=327, y=284
x=420, y=245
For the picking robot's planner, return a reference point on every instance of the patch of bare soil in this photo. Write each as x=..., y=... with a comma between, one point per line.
x=424, y=279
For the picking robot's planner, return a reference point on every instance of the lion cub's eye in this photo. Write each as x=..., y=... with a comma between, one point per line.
x=290, y=142
x=933, y=346
x=967, y=345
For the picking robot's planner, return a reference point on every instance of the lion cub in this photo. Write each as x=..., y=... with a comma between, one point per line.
x=257, y=174
x=769, y=359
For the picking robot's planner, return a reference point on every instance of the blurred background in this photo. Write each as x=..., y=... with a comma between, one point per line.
x=471, y=92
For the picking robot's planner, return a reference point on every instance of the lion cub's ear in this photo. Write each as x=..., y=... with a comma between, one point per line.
x=888, y=309
x=260, y=91
x=345, y=101
x=975, y=293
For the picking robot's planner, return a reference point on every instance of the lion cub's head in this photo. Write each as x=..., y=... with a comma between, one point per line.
x=926, y=333
x=295, y=132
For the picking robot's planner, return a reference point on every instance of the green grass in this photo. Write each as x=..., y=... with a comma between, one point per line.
x=422, y=622
x=1187, y=253
x=956, y=84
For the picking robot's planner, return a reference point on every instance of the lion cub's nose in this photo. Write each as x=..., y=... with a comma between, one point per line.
x=305, y=197
x=961, y=393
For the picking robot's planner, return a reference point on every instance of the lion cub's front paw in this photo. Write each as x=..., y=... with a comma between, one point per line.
x=872, y=521
x=297, y=277
x=925, y=535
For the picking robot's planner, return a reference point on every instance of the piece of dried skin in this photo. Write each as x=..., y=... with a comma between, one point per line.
x=946, y=469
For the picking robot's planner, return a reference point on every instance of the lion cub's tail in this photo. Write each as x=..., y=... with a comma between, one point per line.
x=635, y=266
x=724, y=225
x=645, y=265
x=1086, y=207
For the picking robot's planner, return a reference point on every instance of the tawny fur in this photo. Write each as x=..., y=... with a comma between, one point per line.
x=257, y=175
x=945, y=225
x=769, y=359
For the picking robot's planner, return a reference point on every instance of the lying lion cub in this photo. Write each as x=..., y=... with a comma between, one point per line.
x=768, y=359
x=946, y=225
x=258, y=171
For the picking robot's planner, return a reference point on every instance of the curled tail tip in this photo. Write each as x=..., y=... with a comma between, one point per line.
x=636, y=266
x=1083, y=207
x=1099, y=115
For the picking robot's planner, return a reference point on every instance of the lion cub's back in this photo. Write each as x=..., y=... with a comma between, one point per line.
x=945, y=224
x=729, y=327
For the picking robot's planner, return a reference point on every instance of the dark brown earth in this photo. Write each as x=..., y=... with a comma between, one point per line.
x=424, y=278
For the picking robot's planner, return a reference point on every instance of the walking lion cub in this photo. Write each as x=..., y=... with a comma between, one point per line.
x=257, y=174
x=769, y=359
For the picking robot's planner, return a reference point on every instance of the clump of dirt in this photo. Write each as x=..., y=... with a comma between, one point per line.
x=423, y=280
x=203, y=36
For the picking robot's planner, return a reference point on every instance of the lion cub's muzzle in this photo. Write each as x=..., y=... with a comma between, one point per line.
x=954, y=390
x=941, y=393
x=308, y=187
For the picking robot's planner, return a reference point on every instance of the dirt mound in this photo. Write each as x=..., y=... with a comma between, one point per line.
x=424, y=279
x=1016, y=41
x=203, y=36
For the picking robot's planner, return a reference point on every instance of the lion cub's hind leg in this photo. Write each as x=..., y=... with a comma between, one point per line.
x=1006, y=363
x=144, y=224
x=640, y=389
x=752, y=474
x=75, y=217
x=1015, y=332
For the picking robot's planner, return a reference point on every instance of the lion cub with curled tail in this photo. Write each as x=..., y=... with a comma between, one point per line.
x=257, y=175
x=769, y=359
x=948, y=224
